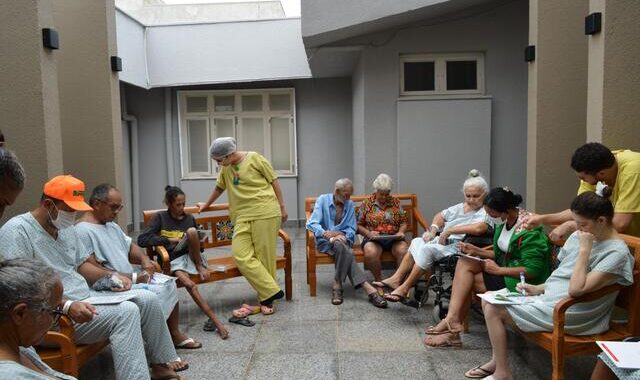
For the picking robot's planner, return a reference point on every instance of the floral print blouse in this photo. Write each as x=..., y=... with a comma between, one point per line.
x=387, y=220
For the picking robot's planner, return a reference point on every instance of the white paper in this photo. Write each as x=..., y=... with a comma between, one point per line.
x=622, y=354
x=515, y=300
x=110, y=299
x=160, y=278
x=469, y=257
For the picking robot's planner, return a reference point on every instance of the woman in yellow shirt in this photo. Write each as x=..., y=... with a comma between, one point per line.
x=257, y=209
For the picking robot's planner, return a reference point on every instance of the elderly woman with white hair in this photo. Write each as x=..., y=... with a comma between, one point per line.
x=30, y=297
x=454, y=223
x=383, y=223
x=257, y=209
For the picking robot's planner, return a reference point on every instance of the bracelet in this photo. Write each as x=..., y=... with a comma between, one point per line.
x=66, y=307
x=134, y=277
x=434, y=225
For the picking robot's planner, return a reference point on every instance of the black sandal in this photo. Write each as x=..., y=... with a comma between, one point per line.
x=377, y=300
x=242, y=321
x=336, y=296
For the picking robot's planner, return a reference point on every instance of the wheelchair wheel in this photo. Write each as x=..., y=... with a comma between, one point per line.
x=440, y=311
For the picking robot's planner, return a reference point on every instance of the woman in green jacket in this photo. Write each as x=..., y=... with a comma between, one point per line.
x=515, y=250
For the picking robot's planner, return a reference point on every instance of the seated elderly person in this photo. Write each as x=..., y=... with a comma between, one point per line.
x=455, y=222
x=130, y=326
x=116, y=251
x=593, y=257
x=383, y=223
x=30, y=296
x=333, y=223
x=516, y=250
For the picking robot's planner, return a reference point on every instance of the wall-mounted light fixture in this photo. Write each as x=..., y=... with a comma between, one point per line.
x=593, y=23
x=50, y=39
x=116, y=63
x=530, y=53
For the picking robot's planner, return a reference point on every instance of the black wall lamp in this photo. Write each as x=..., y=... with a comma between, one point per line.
x=530, y=53
x=116, y=63
x=593, y=23
x=50, y=39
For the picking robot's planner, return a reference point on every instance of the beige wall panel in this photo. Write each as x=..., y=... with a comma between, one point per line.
x=557, y=101
x=29, y=96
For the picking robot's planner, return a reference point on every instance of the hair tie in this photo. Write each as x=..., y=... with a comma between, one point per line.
x=506, y=188
x=600, y=186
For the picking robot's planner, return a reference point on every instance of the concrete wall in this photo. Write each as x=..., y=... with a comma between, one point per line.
x=132, y=49
x=502, y=35
x=359, y=158
x=557, y=101
x=324, y=138
x=29, y=96
x=89, y=91
x=614, y=75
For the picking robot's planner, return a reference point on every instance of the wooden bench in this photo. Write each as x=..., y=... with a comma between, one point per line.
x=409, y=202
x=562, y=345
x=221, y=231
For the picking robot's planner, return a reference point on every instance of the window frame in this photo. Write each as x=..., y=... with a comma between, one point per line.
x=440, y=73
x=236, y=115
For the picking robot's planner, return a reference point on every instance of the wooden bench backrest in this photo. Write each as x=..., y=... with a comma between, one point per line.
x=409, y=202
x=629, y=297
x=218, y=222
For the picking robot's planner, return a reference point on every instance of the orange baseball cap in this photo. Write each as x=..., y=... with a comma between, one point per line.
x=68, y=189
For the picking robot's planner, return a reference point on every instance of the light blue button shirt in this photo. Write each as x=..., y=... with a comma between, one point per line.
x=323, y=219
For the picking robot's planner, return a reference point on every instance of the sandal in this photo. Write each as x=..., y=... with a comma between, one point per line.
x=267, y=310
x=242, y=321
x=336, y=296
x=383, y=287
x=451, y=339
x=431, y=330
x=395, y=297
x=209, y=326
x=184, y=365
x=477, y=373
x=246, y=310
x=377, y=300
x=188, y=344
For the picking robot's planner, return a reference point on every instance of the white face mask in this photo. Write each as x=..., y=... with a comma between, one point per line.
x=496, y=221
x=64, y=220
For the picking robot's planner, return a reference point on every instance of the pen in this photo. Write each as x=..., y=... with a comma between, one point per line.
x=522, y=282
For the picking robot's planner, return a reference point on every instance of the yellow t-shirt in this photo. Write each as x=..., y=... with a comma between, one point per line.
x=626, y=191
x=248, y=185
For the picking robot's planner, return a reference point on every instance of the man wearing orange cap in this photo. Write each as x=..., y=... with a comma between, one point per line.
x=43, y=234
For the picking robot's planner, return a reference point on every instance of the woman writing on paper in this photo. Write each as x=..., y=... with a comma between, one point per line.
x=593, y=257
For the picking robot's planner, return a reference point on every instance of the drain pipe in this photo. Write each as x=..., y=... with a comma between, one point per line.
x=135, y=169
x=168, y=135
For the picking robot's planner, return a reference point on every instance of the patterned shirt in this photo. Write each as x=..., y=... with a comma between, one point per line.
x=385, y=220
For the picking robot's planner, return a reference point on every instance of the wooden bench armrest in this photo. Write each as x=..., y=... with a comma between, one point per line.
x=422, y=221
x=160, y=252
x=559, y=312
x=287, y=243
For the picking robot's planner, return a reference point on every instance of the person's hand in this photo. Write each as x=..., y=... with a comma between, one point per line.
x=329, y=234
x=341, y=238
x=491, y=267
x=530, y=290
x=428, y=235
x=81, y=312
x=467, y=248
x=563, y=230
x=372, y=235
x=126, y=283
x=201, y=206
x=143, y=278
x=149, y=268
x=400, y=234
x=531, y=221
x=586, y=241
x=283, y=212
x=444, y=236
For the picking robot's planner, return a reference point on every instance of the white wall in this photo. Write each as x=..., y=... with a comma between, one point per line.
x=131, y=48
x=502, y=35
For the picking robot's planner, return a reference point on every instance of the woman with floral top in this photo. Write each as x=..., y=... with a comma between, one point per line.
x=383, y=222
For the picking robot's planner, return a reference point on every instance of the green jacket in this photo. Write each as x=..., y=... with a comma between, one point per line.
x=527, y=248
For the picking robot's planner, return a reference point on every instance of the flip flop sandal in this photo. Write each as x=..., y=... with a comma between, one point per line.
x=242, y=321
x=253, y=309
x=209, y=326
x=242, y=312
x=267, y=310
x=477, y=373
x=188, y=344
x=391, y=297
x=336, y=296
x=383, y=287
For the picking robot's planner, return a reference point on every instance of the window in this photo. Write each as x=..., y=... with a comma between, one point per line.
x=442, y=74
x=259, y=120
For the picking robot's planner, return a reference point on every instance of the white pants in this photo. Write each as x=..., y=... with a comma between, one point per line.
x=426, y=253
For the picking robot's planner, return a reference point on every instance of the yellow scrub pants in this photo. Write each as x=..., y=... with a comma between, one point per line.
x=254, y=251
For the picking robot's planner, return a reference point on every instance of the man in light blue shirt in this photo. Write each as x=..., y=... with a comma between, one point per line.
x=333, y=223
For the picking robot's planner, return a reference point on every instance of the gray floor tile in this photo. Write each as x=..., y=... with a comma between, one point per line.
x=316, y=366
x=216, y=365
x=383, y=335
x=297, y=337
x=384, y=365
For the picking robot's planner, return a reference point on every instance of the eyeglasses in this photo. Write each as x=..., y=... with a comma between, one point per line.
x=114, y=208
x=219, y=160
x=55, y=313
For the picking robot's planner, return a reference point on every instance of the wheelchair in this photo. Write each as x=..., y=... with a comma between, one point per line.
x=441, y=280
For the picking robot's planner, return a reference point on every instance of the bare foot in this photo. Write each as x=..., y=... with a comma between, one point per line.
x=159, y=371
x=203, y=272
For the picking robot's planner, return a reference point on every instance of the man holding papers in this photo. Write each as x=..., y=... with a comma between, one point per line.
x=44, y=234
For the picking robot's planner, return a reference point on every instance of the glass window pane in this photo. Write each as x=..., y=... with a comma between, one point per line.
x=280, y=102
x=252, y=134
x=419, y=76
x=280, y=143
x=462, y=75
x=196, y=104
x=224, y=103
x=252, y=102
x=198, y=141
x=224, y=128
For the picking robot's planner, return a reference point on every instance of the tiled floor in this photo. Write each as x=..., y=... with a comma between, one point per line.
x=308, y=338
